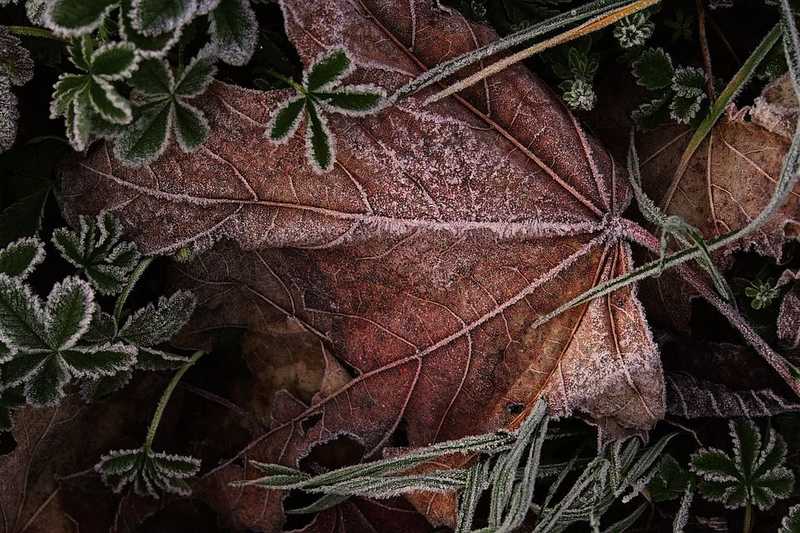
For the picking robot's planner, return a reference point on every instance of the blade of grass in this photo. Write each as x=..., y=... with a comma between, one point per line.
x=718, y=108
x=597, y=23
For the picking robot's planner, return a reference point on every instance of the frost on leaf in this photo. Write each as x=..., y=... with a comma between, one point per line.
x=754, y=474
x=791, y=522
x=43, y=338
x=422, y=258
x=21, y=257
x=164, y=107
x=149, y=473
x=234, y=31
x=97, y=249
x=789, y=319
x=689, y=397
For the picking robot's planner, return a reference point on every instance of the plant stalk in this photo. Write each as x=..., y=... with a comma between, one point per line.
x=748, y=518
x=162, y=403
x=135, y=275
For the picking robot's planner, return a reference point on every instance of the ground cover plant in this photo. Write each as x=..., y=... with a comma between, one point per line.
x=359, y=265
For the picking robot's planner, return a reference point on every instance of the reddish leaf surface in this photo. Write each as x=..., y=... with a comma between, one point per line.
x=421, y=260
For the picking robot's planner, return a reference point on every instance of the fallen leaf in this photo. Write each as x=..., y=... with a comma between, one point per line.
x=789, y=318
x=728, y=182
x=421, y=260
x=776, y=109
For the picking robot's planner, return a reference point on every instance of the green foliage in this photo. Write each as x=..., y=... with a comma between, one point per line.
x=163, y=108
x=634, y=30
x=89, y=101
x=150, y=473
x=754, y=474
x=506, y=467
x=762, y=293
x=322, y=92
x=16, y=69
x=791, y=522
x=97, y=250
x=577, y=65
x=676, y=92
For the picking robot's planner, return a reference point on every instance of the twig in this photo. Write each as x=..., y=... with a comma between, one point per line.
x=701, y=30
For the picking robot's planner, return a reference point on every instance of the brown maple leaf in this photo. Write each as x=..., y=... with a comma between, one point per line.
x=423, y=259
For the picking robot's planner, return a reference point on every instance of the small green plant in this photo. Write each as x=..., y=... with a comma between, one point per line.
x=322, y=91
x=634, y=30
x=506, y=466
x=151, y=473
x=762, y=293
x=47, y=344
x=676, y=92
x=577, y=65
x=753, y=475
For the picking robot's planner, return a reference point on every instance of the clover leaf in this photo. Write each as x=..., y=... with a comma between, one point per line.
x=163, y=106
x=77, y=17
x=755, y=474
x=98, y=251
x=90, y=97
x=151, y=473
x=43, y=339
x=321, y=91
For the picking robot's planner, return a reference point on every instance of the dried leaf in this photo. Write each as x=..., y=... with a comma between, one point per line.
x=425, y=255
x=728, y=182
x=789, y=318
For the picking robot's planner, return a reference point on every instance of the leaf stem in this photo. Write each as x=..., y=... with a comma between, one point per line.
x=162, y=403
x=718, y=108
x=289, y=81
x=135, y=275
x=32, y=31
x=748, y=518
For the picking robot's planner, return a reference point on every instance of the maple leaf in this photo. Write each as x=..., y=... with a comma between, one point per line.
x=422, y=259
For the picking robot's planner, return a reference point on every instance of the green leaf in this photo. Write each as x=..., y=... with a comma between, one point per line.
x=791, y=522
x=93, y=390
x=357, y=100
x=22, y=319
x=318, y=141
x=149, y=472
x=287, y=119
x=714, y=464
x=156, y=324
x=191, y=127
x=146, y=46
x=79, y=121
x=746, y=444
x=330, y=67
x=196, y=78
x=97, y=361
x=683, y=109
x=154, y=17
x=234, y=31
x=64, y=92
x=21, y=257
x=148, y=137
x=689, y=82
x=153, y=77
x=20, y=368
x=653, y=70
x=108, y=103
x=77, y=17
x=156, y=360
x=45, y=385
x=671, y=481
x=80, y=52
x=69, y=312
x=114, y=61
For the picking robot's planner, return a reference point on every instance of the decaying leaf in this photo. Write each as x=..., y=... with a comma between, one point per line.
x=776, y=109
x=789, y=318
x=728, y=182
x=421, y=260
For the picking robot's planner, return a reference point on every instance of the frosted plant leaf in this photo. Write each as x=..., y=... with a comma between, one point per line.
x=653, y=69
x=689, y=397
x=755, y=474
x=16, y=62
x=68, y=313
x=91, y=95
x=322, y=90
x=155, y=17
x=791, y=522
x=688, y=81
x=634, y=30
x=789, y=319
x=156, y=324
x=99, y=252
x=234, y=30
x=436, y=266
x=150, y=473
x=21, y=257
x=165, y=109
x=73, y=18
x=9, y=115
x=579, y=94
x=35, y=9
x=146, y=46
